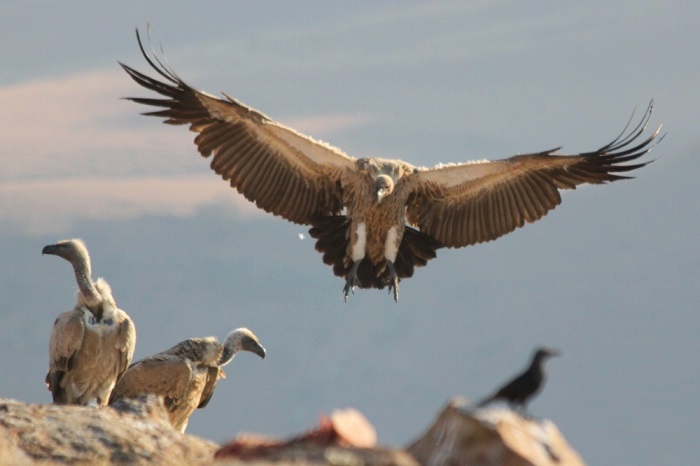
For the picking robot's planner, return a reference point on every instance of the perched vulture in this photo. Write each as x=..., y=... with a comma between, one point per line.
x=376, y=219
x=518, y=392
x=185, y=375
x=92, y=345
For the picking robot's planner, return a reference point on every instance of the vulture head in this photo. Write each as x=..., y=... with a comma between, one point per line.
x=72, y=250
x=240, y=339
x=75, y=252
x=384, y=186
x=385, y=173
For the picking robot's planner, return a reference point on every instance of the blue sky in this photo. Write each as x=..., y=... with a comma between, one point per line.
x=609, y=277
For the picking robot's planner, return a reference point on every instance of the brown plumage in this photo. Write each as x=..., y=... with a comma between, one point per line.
x=185, y=376
x=376, y=219
x=92, y=345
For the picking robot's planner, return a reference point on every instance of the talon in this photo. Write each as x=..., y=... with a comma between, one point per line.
x=393, y=281
x=351, y=281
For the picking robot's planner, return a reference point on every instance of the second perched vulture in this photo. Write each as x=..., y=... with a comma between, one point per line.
x=92, y=345
x=376, y=219
x=185, y=375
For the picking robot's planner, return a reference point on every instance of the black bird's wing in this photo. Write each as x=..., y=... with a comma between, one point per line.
x=518, y=390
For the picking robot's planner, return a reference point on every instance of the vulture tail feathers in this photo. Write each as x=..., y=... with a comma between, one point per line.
x=332, y=237
x=423, y=247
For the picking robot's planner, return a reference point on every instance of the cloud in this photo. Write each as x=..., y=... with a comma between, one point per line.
x=53, y=206
x=71, y=149
x=79, y=125
x=74, y=125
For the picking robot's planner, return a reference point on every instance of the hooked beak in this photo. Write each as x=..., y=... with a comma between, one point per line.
x=50, y=249
x=259, y=350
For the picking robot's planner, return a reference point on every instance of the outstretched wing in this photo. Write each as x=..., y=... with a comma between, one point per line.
x=470, y=203
x=282, y=171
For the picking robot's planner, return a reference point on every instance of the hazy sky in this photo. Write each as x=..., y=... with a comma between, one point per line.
x=609, y=277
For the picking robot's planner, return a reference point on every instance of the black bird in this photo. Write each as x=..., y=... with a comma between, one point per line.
x=517, y=392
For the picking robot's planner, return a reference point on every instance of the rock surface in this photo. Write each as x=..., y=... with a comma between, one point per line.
x=491, y=437
x=134, y=432
x=345, y=437
x=138, y=432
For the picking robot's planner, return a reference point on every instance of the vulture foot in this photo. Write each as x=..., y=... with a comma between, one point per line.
x=393, y=281
x=351, y=281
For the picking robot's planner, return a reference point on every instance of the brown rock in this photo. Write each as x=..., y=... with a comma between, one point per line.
x=135, y=432
x=352, y=428
x=491, y=437
x=345, y=437
x=138, y=432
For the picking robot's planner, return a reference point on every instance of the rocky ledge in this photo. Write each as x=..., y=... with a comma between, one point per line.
x=137, y=432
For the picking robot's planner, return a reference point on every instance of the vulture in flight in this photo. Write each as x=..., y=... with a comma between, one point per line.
x=185, y=375
x=524, y=386
x=92, y=345
x=376, y=219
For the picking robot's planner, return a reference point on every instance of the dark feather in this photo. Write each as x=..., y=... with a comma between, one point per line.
x=332, y=237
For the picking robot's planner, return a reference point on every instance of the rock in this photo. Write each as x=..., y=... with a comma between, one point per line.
x=352, y=428
x=345, y=437
x=133, y=432
x=138, y=432
x=491, y=437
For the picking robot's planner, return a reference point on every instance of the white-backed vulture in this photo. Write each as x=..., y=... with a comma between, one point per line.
x=185, y=375
x=376, y=219
x=92, y=345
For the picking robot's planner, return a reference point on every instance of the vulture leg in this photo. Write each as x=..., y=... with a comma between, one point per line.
x=351, y=280
x=393, y=280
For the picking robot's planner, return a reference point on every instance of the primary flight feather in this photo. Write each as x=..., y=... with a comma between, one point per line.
x=375, y=219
